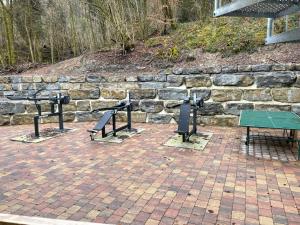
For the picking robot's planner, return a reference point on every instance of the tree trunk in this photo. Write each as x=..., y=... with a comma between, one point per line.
x=9, y=30
x=29, y=41
x=73, y=32
x=94, y=44
x=144, y=19
x=2, y=60
x=168, y=16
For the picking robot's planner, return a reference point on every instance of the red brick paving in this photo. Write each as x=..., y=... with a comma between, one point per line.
x=144, y=182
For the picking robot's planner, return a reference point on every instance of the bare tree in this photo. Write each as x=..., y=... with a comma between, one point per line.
x=52, y=30
x=9, y=30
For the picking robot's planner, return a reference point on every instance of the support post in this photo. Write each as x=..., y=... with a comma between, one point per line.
x=39, y=108
x=195, y=120
x=248, y=136
x=114, y=125
x=217, y=4
x=36, y=126
x=60, y=117
x=103, y=132
x=248, y=139
x=129, y=117
x=292, y=134
x=270, y=28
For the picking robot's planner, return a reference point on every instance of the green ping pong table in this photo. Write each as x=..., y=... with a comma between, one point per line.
x=271, y=120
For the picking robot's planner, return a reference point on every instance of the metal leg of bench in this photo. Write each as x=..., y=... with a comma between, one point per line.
x=292, y=134
x=248, y=139
x=92, y=136
x=291, y=137
x=114, y=125
x=103, y=132
x=248, y=136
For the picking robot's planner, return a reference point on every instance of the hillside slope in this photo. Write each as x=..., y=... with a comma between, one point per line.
x=225, y=41
x=143, y=59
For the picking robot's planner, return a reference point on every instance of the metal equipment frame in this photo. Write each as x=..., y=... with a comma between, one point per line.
x=59, y=100
x=270, y=9
x=188, y=104
x=110, y=114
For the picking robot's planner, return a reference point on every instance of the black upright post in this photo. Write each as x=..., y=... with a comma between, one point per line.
x=248, y=140
x=292, y=134
x=60, y=111
x=114, y=125
x=248, y=136
x=129, y=117
x=103, y=132
x=39, y=108
x=60, y=117
x=194, y=120
x=36, y=126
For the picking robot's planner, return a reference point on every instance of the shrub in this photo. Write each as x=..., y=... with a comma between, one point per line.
x=225, y=35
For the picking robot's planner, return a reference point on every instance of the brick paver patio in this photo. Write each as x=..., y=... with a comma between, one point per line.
x=144, y=182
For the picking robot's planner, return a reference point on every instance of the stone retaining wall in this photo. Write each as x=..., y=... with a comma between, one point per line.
x=226, y=90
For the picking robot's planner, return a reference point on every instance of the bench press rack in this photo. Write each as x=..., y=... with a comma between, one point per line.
x=111, y=113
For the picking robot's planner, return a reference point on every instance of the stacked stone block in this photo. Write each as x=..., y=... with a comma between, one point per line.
x=226, y=91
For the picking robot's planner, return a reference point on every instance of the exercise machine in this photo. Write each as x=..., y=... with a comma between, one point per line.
x=190, y=103
x=110, y=114
x=56, y=103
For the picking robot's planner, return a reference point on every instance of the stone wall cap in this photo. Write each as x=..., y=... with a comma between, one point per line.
x=233, y=69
